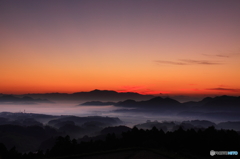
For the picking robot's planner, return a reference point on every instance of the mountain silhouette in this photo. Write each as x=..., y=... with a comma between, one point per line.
x=81, y=120
x=200, y=123
x=198, y=103
x=217, y=103
x=223, y=102
x=229, y=125
x=98, y=103
x=117, y=130
x=102, y=95
x=156, y=103
x=11, y=98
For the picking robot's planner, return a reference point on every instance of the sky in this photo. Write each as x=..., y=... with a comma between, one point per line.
x=175, y=47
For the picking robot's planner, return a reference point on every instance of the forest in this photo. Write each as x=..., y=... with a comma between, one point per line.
x=191, y=143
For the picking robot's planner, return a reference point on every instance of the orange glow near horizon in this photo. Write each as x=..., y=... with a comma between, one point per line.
x=149, y=48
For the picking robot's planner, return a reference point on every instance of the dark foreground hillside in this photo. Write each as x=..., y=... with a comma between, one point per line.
x=123, y=154
x=189, y=144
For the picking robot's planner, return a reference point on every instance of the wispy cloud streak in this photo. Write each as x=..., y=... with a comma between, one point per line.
x=223, y=89
x=188, y=62
x=218, y=55
x=170, y=62
x=200, y=62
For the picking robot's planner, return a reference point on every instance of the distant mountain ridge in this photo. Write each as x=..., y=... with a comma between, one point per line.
x=25, y=99
x=230, y=103
x=97, y=103
x=102, y=95
x=154, y=103
x=223, y=101
x=208, y=103
x=219, y=102
x=130, y=99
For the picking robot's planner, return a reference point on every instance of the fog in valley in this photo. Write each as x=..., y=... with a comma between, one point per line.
x=129, y=116
x=32, y=124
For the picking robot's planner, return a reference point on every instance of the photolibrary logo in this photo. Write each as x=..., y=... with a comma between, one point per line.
x=212, y=152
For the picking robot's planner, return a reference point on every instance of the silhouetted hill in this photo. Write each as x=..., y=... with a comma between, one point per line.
x=62, y=123
x=18, y=117
x=102, y=95
x=223, y=102
x=165, y=126
x=235, y=125
x=186, y=125
x=180, y=143
x=97, y=103
x=216, y=103
x=161, y=101
x=26, y=130
x=154, y=103
x=94, y=124
x=112, y=95
x=72, y=130
x=9, y=98
x=200, y=123
x=81, y=120
x=117, y=130
x=24, y=100
x=199, y=103
x=212, y=114
x=25, y=138
x=3, y=120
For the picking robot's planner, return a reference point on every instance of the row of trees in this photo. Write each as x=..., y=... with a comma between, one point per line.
x=189, y=143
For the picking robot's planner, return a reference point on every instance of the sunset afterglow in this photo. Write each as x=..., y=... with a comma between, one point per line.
x=149, y=47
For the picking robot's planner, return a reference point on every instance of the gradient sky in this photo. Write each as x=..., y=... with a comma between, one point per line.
x=179, y=47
